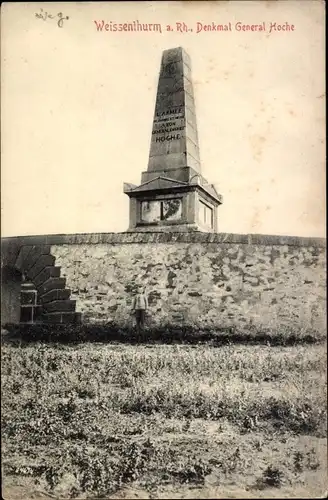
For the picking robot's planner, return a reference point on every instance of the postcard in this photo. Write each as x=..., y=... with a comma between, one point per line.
x=163, y=249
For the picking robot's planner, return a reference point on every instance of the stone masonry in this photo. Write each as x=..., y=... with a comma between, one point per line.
x=198, y=283
x=199, y=279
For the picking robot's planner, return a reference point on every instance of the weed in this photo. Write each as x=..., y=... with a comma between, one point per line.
x=272, y=477
x=312, y=461
x=96, y=417
x=298, y=461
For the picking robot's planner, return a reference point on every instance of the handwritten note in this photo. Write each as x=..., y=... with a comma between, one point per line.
x=59, y=18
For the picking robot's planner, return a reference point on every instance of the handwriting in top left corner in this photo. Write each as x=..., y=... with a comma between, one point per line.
x=59, y=18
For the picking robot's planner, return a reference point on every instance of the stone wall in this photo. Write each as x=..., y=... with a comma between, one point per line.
x=201, y=279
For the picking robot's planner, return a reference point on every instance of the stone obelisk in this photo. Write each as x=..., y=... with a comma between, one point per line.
x=173, y=195
x=174, y=140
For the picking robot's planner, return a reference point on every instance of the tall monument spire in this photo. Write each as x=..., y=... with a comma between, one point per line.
x=173, y=195
x=174, y=140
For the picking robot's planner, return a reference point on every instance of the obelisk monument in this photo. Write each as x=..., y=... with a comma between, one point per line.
x=173, y=194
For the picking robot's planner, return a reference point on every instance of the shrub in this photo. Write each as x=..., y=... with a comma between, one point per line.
x=272, y=477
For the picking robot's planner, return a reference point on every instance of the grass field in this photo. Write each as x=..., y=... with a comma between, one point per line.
x=164, y=421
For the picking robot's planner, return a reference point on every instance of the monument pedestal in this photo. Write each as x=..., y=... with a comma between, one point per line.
x=164, y=204
x=173, y=194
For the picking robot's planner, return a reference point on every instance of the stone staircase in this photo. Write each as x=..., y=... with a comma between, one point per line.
x=53, y=303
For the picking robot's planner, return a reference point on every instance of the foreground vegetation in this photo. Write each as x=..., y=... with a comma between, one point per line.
x=164, y=334
x=95, y=419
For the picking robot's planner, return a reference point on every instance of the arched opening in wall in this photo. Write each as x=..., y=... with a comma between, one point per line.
x=30, y=310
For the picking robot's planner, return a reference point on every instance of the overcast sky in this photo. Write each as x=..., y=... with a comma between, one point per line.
x=77, y=109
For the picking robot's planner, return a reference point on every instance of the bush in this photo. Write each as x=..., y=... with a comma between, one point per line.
x=166, y=334
x=272, y=477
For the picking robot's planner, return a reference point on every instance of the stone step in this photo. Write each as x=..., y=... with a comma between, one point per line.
x=26, y=285
x=59, y=294
x=78, y=318
x=34, y=255
x=62, y=317
x=45, y=274
x=42, y=262
x=60, y=306
x=51, y=284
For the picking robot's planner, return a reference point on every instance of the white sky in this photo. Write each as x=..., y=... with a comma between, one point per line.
x=77, y=108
